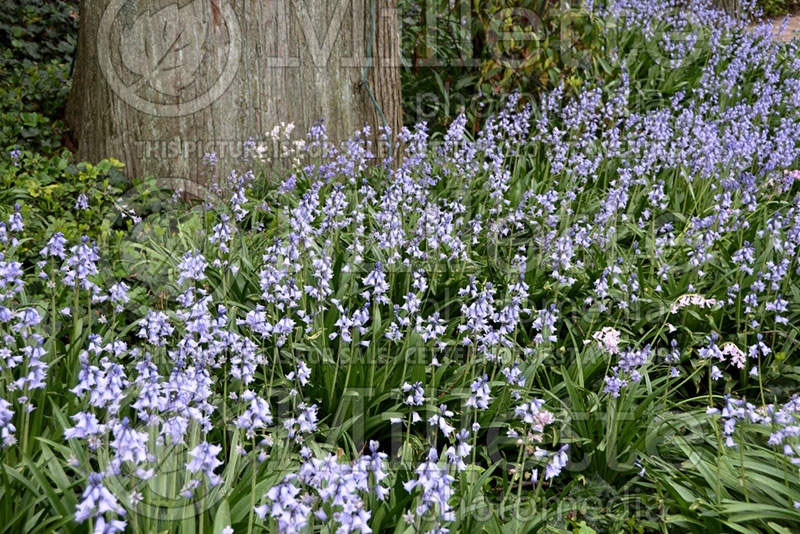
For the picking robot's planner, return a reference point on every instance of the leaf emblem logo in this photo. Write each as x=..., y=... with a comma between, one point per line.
x=162, y=49
x=165, y=47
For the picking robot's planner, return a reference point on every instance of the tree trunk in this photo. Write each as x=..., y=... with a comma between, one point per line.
x=731, y=6
x=158, y=84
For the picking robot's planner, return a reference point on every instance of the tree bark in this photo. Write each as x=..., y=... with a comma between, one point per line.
x=158, y=84
x=731, y=6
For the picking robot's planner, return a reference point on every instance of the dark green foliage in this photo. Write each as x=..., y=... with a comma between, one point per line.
x=773, y=8
x=37, y=41
x=464, y=55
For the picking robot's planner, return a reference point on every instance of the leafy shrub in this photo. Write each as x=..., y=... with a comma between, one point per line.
x=465, y=55
x=37, y=30
x=37, y=39
x=772, y=8
x=57, y=193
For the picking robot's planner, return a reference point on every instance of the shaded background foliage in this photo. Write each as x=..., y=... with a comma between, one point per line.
x=37, y=40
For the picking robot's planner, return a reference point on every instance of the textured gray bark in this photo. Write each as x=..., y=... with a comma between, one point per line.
x=142, y=69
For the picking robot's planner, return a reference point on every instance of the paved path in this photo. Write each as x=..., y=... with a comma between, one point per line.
x=792, y=28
